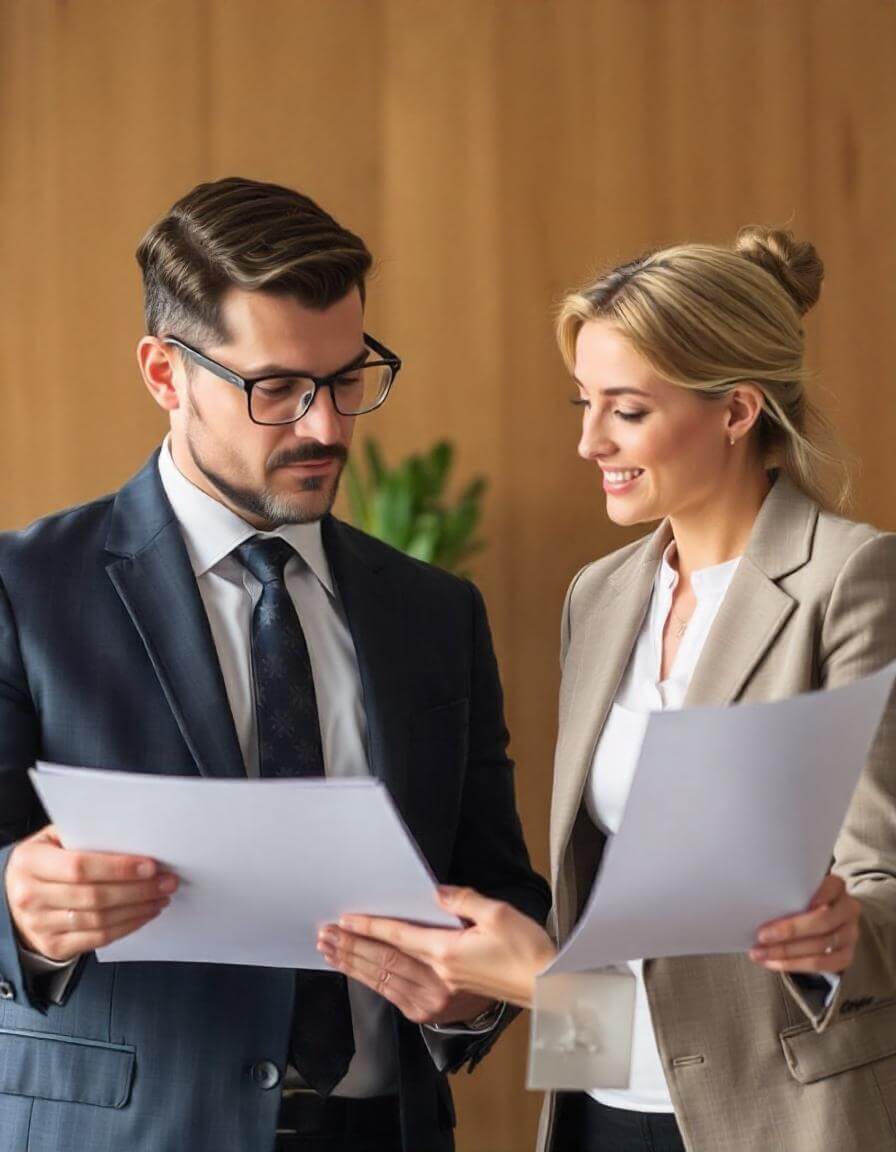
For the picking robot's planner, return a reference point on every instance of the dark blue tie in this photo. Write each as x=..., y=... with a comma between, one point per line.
x=289, y=744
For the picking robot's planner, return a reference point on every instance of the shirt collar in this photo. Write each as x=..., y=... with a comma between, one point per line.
x=211, y=530
x=708, y=583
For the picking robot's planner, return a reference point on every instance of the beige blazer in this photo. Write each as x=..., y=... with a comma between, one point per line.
x=752, y=1063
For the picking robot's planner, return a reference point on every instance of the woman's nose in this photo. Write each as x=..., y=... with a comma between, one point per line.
x=594, y=441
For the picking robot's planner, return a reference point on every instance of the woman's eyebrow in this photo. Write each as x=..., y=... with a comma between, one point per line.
x=617, y=391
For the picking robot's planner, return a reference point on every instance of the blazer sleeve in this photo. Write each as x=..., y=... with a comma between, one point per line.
x=858, y=638
x=20, y=810
x=490, y=853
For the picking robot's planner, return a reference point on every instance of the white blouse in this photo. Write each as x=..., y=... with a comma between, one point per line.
x=613, y=768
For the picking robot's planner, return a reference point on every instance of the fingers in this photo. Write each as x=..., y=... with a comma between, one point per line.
x=47, y=860
x=822, y=939
x=63, y=902
x=66, y=921
x=424, y=944
x=371, y=956
x=61, y=946
x=36, y=896
x=819, y=921
x=385, y=972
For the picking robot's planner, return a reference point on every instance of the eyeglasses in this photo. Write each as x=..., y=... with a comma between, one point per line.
x=285, y=397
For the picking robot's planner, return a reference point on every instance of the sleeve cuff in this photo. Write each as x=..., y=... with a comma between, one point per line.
x=54, y=975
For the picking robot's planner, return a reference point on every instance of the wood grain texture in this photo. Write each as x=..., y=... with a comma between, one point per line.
x=494, y=153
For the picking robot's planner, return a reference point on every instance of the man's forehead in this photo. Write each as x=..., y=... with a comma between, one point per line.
x=272, y=332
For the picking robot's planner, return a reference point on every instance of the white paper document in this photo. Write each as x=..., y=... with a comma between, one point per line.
x=263, y=864
x=730, y=821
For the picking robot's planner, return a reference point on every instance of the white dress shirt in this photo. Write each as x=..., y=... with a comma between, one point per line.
x=641, y=692
x=230, y=592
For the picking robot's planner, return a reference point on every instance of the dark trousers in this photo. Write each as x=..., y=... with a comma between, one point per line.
x=583, y=1125
x=308, y=1123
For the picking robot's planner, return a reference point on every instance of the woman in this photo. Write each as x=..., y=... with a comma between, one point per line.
x=690, y=376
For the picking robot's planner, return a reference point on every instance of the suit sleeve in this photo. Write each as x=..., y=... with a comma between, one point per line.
x=858, y=638
x=490, y=853
x=20, y=811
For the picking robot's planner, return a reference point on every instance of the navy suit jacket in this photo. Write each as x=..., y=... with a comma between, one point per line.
x=107, y=661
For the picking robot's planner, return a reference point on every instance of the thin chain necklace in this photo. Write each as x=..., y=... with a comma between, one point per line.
x=680, y=624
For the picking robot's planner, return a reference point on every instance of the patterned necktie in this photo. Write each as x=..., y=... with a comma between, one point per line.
x=289, y=744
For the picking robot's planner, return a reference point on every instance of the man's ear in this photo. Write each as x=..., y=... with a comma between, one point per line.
x=159, y=365
x=744, y=406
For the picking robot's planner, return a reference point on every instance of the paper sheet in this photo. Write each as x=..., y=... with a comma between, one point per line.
x=731, y=821
x=263, y=863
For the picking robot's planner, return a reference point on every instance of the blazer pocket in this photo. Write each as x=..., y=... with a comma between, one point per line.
x=437, y=761
x=51, y=1067
x=849, y=1043
x=443, y=731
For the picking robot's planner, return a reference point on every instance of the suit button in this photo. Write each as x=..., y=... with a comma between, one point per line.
x=266, y=1074
x=7, y=992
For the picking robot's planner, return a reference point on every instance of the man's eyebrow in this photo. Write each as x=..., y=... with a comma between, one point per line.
x=280, y=370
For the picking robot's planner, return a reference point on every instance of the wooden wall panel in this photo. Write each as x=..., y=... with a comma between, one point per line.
x=494, y=153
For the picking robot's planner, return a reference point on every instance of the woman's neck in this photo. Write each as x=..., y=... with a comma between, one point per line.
x=719, y=529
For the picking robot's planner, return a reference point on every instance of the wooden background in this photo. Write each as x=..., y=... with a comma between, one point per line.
x=493, y=153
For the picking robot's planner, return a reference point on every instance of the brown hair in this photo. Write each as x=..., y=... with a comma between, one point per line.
x=708, y=317
x=245, y=234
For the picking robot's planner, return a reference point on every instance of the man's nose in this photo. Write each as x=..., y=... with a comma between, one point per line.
x=321, y=421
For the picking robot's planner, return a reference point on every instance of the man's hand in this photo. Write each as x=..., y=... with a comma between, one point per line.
x=822, y=939
x=411, y=985
x=66, y=903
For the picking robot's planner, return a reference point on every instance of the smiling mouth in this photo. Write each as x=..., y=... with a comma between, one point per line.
x=622, y=476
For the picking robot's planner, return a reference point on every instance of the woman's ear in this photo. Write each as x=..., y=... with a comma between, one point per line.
x=744, y=407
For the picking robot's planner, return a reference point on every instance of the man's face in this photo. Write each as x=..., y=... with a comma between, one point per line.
x=269, y=475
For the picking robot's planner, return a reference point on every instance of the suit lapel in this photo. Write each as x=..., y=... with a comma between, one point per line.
x=378, y=623
x=752, y=615
x=150, y=570
x=601, y=645
x=755, y=607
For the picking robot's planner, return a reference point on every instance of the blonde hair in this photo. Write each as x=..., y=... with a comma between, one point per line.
x=707, y=318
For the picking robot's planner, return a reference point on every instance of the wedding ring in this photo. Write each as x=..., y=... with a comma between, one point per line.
x=384, y=979
x=832, y=947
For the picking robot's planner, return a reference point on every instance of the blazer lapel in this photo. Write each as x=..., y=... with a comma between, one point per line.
x=378, y=624
x=602, y=642
x=752, y=614
x=150, y=570
x=755, y=608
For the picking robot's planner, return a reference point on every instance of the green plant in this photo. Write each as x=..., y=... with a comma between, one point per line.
x=406, y=506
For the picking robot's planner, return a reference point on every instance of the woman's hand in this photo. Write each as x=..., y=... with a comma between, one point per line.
x=823, y=939
x=497, y=957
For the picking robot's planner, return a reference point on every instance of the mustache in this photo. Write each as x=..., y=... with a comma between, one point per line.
x=308, y=453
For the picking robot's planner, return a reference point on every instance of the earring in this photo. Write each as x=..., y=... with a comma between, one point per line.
x=731, y=441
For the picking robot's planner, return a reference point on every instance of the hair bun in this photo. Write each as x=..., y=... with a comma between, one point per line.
x=794, y=264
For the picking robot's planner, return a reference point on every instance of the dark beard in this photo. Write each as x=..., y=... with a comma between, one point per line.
x=264, y=505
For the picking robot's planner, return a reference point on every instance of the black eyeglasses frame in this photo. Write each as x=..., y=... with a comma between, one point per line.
x=246, y=384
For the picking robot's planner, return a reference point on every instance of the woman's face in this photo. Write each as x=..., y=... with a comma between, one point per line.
x=662, y=450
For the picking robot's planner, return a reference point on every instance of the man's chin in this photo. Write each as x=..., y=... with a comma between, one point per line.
x=312, y=502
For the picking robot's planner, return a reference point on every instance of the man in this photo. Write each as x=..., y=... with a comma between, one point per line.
x=212, y=617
